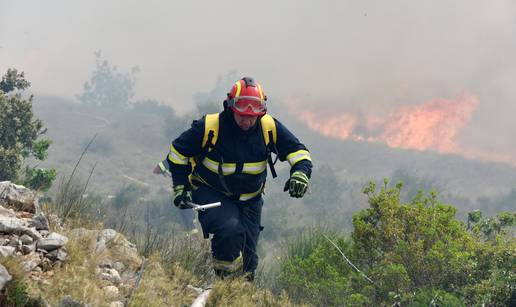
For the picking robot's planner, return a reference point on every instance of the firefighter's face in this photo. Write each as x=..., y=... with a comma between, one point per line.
x=245, y=122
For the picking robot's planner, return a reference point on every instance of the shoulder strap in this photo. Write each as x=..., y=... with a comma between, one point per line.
x=211, y=126
x=268, y=128
x=211, y=133
x=269, y=132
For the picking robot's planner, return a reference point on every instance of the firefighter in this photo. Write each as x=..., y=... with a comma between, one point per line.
x=223, y=158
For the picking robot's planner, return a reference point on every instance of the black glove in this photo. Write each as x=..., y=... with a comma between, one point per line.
x=297, y=184
x=182, y=196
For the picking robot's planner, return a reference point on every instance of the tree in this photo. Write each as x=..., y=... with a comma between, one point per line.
x=19, y=133
x=108, y=87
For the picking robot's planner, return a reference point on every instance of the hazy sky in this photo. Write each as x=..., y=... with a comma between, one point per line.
x=367, y=56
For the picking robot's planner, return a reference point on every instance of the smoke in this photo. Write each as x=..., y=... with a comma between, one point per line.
x=366, y=58
x=435, y=125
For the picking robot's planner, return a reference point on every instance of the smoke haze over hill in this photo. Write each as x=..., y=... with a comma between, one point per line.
x=360, y=57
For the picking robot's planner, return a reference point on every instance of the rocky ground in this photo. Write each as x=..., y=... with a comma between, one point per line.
x=37, y=243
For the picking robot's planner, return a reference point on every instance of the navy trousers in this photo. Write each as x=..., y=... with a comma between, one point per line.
x=235, y=226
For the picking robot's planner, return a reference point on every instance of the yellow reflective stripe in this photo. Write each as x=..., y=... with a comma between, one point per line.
x=248, y=196
x=175, y=157
x=227, y=168
x=211, y=165
x=297, y=156
x=260, y=91
x=228, y=266
x=239, y=88
x=254, y=168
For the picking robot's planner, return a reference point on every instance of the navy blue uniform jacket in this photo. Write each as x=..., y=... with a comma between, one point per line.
x=243, y=155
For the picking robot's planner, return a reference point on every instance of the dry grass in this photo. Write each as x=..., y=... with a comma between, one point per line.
x=178, y=261
x=164, y=287
x=238, y=292
x=117, y=250
x=76, y=277
x=164, y=282
x=16, y=292
x=14, y=268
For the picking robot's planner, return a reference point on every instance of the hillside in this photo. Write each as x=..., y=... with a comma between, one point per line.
x=130, y=142
x=49, y=261
x=410, y=254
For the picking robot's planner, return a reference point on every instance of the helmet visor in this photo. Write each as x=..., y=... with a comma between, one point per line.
x=244, y=104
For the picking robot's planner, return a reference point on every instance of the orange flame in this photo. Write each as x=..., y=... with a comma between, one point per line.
x=433, y=125
x=337, y=126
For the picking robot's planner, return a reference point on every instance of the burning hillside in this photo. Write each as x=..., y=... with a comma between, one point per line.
x=434, y=125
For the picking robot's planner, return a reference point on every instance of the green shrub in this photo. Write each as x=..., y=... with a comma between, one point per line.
x=16, y=295
x=314, y=271
x=20, y=134
x=39, y=178
x=415, y=254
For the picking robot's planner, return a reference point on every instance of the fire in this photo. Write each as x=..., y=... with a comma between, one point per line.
x=434, y=125
x=338, y=126
x=431, y=126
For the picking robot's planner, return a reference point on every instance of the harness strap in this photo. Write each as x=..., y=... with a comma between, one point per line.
x=210, y=138
x=269, y=155
x=206, y=147
x=221, y=176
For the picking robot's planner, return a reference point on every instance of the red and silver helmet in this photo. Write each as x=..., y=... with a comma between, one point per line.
x=247, y=98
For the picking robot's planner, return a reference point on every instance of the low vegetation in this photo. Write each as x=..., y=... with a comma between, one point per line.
x=414, y=253
x=403, y=248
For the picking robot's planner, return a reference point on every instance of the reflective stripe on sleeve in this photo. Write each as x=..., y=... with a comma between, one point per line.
x=297, y=156
x=175, y=157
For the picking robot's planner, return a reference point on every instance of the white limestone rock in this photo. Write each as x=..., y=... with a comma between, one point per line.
x=6, y=251
x=40, y=222
x=26, y=239
x=52, y=242
x=18, y=197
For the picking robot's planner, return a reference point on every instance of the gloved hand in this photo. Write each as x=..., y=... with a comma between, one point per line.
x=297, y=184
x=182, y=196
